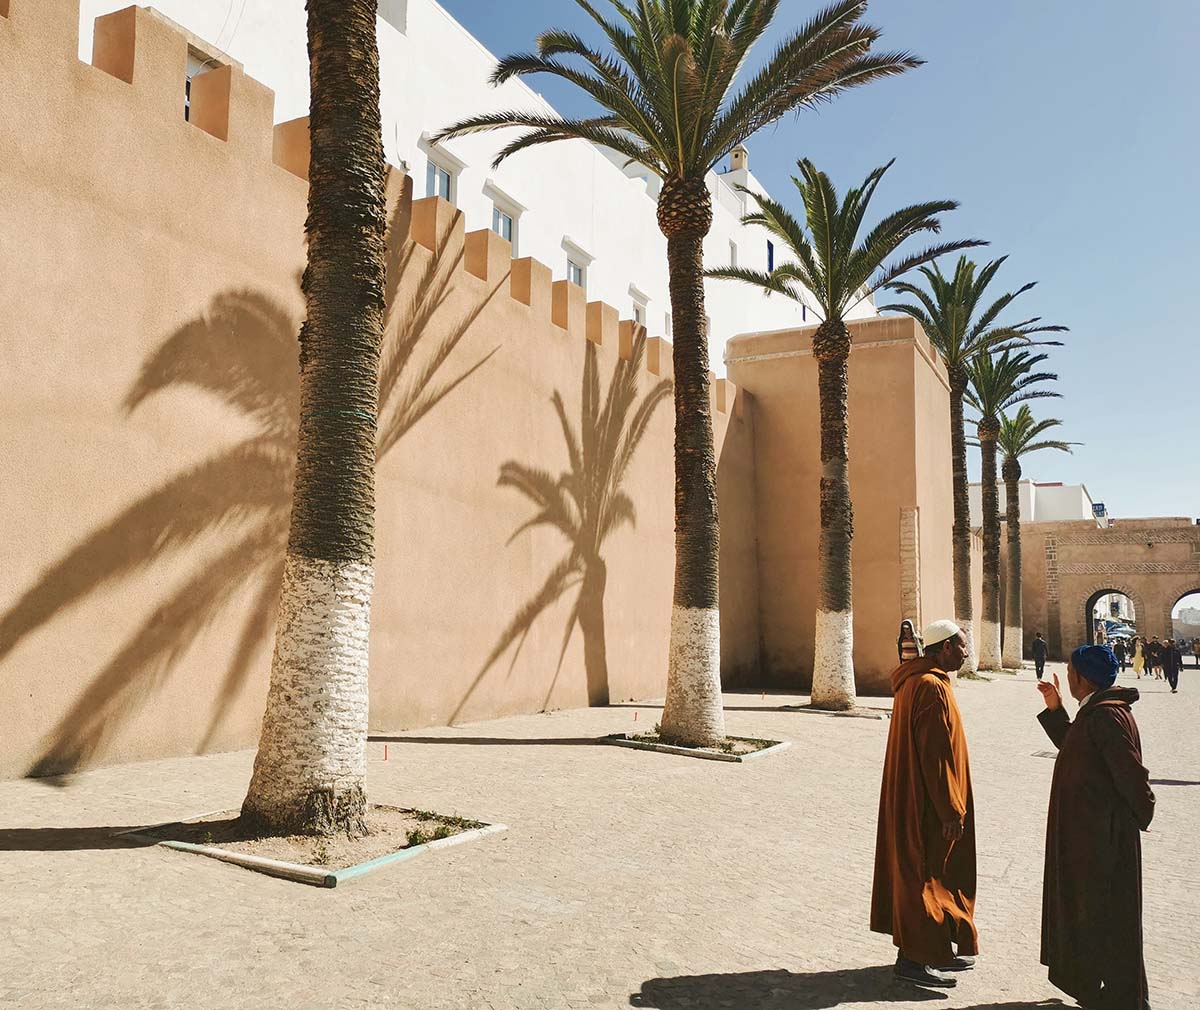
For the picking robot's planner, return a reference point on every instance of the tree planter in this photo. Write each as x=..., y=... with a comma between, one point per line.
x=649, y=741
x=314, y=875
x=858, y=712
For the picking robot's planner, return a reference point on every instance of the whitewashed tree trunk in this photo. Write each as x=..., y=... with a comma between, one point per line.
x=1013, y=651
x=971, y=661
x=693, y=713
x=310, y=770
x=989, y=645
x=833, y=661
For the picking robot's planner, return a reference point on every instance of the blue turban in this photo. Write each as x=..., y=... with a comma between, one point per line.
x=1096, y=663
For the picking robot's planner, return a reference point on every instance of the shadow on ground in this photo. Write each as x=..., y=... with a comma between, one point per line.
x=500, y=741
x=786, y=990
x=70, y=839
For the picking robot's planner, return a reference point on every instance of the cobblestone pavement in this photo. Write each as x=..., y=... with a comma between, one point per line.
x=625, y=879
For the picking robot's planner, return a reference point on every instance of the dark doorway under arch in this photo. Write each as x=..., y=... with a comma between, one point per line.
x=1113, y=619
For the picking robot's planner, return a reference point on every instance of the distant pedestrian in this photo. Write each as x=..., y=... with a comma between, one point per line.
x=1100, y=801
x=1154, y=657
x=1172, y=659
x=924, y=888
x=908, y=645
x=1196, y=651
x=1040, y=650
x=1139, y=657
x=1121, y=652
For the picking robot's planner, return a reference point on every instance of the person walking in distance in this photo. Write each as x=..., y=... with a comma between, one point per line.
x=1196, y=651
x=1121, y=652
x=1172, y=660
x=1154, y=657
x=1039, y=655
x=908, y=645
x=1139, y=657
x=1100, y=802
x=924, y=888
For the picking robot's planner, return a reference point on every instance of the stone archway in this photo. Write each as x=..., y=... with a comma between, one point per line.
x=1085, y=604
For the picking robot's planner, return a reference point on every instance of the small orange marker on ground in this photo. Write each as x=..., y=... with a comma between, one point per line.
x=635, y=715
x=385, y=752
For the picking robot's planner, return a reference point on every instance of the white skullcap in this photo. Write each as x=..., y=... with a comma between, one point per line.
x=940, y=631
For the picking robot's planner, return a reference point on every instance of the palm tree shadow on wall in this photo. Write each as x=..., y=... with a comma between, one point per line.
x=586, y=504
x=243, y=351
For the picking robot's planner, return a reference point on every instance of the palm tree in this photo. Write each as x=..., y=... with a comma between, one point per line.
x=310, y=769
x=668, y=100
x=953, y=314
x=1019, y=436
x=998, y=383
x=836, y=270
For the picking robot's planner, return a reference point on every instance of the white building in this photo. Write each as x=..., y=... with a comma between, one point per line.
x=1115, y=607
x=571, y=205
x=1041, y=503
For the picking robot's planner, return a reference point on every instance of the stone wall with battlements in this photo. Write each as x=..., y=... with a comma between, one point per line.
x=149, y=307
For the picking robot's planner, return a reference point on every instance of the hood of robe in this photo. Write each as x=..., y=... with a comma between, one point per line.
x=1113, y=696
x=913, y=668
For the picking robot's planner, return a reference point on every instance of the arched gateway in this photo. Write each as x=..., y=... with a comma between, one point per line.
x=1069, y=565
x=1099, y=592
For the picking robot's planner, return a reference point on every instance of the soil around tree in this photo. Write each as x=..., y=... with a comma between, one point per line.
x=735, y=745
x=389, y=829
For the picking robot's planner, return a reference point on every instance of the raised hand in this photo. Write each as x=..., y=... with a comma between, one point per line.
x=1051, y=693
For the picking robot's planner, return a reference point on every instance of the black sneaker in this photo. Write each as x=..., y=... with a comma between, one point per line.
x=959, y=963
x=922, y=974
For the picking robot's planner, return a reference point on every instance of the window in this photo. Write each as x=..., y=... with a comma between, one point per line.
x=502, y=223
x=197, y=63
x=579, y=260
x=733, y=254
x=770, y=255
x=438, y=182
x=639, y=313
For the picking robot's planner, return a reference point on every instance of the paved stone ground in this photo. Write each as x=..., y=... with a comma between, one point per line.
x=626, y=878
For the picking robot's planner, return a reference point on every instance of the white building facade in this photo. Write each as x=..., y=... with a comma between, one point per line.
x=571, y=205
x=1041, y=503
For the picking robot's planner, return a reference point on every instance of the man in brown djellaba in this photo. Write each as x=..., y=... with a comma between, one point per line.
x=924, y=891
x=1100, y=802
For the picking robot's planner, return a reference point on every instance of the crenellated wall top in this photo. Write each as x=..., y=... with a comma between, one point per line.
x=144, y=57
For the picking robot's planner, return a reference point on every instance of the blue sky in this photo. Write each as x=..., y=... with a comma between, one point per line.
x=1068, y=131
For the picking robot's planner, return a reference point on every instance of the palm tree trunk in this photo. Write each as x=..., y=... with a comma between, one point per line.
x=310, y=769
x=693, y=713
x=964, y=605
x=833, y=646
x=989, y=626
x=1013, y=625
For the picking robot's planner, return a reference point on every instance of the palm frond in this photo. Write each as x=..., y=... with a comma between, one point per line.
x=668, y=78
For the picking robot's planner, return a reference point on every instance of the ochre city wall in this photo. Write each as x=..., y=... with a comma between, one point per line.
x=149, y=306
x=900, y=478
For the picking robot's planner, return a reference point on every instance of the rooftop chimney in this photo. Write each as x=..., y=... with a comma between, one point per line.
x=739, y=159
